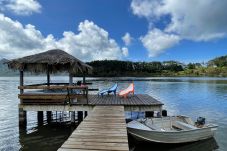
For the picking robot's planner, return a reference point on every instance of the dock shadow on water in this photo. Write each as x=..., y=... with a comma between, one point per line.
x=204, y=145
x=47, y=137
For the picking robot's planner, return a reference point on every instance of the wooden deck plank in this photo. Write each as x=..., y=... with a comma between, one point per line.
x=102, y=130
x=138, y=99
x=93, y=100
x=70, y=149
x=106, y=140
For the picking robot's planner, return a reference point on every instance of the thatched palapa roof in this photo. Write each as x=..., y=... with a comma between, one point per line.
x=53, y=60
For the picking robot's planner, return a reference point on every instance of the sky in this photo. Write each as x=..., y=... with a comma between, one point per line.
x=134, y=30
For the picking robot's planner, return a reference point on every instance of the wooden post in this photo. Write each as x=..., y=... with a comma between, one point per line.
x=48, y=75
x=85, y=114
x=22, y=118
x=84, y=79
x=72, y=117
x=21, y=81
x=40, y=117
x=70, y=79
x=49, y=116
x=71, y=90
x=161, y=111
x=80, y=116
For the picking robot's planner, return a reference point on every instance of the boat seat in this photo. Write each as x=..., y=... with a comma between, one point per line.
x=149, y=124
x=184, y=126
x=137, y=125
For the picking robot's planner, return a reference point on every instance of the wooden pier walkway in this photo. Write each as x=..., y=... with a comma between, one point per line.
x=104, y=129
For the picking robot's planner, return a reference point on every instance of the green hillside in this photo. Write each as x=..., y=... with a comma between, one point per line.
x=116, y=68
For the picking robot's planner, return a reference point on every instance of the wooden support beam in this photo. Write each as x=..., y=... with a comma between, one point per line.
x=161, y=111
x=80, y=116
x=84, y=78
x=22, y=118
x=72, y=117
x=40, y=117
x=21, y=81
x=53, y=87
x=48, y=75
x=49, y=116
x=85, y=114
x=70, y=79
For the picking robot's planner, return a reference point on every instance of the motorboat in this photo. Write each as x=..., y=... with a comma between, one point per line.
x=171, y=129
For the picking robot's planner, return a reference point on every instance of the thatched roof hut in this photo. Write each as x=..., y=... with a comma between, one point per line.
x=51, y=61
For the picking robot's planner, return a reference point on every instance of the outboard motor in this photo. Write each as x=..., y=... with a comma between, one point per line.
x=149, y=114
x=164, y=113
x=78, y=83
x=201, y=121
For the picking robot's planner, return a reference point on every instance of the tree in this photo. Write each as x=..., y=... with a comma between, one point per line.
x=218, y=62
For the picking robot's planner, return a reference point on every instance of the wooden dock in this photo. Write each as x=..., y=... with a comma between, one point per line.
x=104, y=129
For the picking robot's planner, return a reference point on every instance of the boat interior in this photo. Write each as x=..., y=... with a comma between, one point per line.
x=172, y=124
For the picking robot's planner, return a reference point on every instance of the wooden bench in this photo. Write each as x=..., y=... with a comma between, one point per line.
x=183, y=126
x=53, y=94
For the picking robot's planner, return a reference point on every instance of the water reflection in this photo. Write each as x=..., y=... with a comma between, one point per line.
x=47, y=137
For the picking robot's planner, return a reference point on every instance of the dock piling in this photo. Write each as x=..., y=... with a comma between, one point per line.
x=80, y=116
x=85, y=114
x=72, y=117
x=49, y=116
x=22, y=118
x=40, y=117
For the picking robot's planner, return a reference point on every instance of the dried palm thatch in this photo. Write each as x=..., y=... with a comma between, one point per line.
x=53, y=61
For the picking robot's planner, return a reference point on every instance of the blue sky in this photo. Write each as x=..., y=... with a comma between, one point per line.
x=153, y=30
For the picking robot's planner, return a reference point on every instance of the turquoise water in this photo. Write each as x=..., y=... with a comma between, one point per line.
x=193, y=97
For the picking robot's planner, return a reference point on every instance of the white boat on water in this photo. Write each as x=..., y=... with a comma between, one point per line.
x=174, y=129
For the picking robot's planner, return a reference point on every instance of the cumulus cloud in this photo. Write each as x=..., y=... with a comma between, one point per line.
x=125, y=51
x=90, y=43
x=145, y=8
x=195, y=23
x=21, y=7
x=127, y=39
x=156, y=41
x=194, y=20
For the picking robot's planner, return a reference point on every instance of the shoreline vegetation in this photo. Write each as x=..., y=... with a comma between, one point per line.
x=216, y=67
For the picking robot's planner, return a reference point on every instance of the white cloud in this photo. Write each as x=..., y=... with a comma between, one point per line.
x=145, y=8
x=125, y=51
x=127, y=39
x=202, y=20
x=157, y=41
x=91, y=42
x=21, y=7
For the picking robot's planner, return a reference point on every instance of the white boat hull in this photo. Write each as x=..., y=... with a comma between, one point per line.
x=184, y=136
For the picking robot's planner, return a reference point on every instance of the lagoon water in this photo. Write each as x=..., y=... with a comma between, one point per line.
x=193, y=97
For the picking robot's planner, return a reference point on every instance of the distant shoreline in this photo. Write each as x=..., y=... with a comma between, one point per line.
x=145, y=78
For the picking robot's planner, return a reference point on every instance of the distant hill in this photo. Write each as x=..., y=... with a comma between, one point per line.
x=117, y=68
x=218, y=62
x=4, y=70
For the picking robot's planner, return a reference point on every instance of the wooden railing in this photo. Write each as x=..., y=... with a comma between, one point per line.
x=61, y=94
